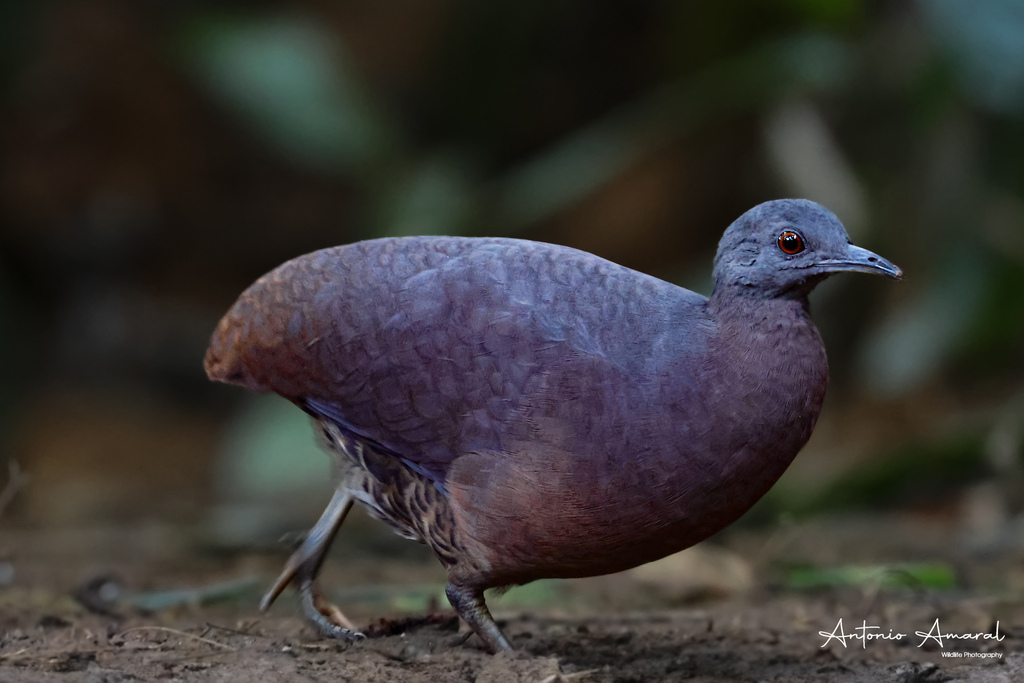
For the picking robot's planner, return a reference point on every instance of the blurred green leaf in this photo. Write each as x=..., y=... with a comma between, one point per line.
x=543, y=592
x=915, y=472
x=904, y=475
x=934, y=575
x=292, y=81
x=985, y=38
x=435, y=197
x=269, y=450
x=918, y=337
x=225, y=591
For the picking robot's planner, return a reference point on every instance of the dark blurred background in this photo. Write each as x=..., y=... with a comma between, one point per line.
x=158, y=156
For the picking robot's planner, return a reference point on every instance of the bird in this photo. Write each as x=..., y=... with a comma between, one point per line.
x=529, y=410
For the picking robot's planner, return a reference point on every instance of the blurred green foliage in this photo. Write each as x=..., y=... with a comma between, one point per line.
x=930, y=575
x=910, y=475
x=292, y=81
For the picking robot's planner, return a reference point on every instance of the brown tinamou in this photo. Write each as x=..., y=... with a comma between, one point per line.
x=533, y=411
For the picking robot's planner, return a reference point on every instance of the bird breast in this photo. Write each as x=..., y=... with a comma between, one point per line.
x=632, y=471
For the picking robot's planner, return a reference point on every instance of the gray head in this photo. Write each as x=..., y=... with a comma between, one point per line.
x=785, y=247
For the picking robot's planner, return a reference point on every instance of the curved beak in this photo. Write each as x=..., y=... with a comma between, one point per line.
x=861, y=261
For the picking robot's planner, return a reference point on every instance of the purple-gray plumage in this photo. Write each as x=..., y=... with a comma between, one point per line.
x=532, y=411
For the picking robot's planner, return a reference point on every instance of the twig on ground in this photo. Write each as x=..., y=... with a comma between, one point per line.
x=210, y=626
x=167, y=629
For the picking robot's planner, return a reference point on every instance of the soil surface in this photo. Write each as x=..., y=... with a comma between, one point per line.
x=150, y=603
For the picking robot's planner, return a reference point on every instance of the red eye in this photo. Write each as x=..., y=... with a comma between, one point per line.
x=790, y=242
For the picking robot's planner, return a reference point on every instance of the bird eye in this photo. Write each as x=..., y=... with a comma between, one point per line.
x=791, y=242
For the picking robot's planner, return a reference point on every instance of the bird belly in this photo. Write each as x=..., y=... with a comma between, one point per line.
x=553, y=511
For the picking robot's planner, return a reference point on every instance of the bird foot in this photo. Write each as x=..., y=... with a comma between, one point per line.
x=302, y=568
x=326, y=616
x=469, y=603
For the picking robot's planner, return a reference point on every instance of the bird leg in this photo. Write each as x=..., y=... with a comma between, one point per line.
x=303, y=566
x=469, y=603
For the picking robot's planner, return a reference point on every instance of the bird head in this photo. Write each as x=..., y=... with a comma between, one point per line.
x=783, y=248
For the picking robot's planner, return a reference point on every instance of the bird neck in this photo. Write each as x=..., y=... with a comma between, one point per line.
x=732, y=290
x=747, y=304
x=774, y=343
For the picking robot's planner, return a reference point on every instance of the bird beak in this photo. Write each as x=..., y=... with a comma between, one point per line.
x=861, y=261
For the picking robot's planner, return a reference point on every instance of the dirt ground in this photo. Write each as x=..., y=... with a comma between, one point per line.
x=163, y=607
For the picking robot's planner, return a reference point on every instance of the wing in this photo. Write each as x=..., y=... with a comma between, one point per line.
x=430, y=348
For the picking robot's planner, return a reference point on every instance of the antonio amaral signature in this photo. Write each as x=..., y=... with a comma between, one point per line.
x=864, y=633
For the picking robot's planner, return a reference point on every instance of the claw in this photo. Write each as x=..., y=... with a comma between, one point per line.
x=333, y=613
x=303, y=566
x=328, y=625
